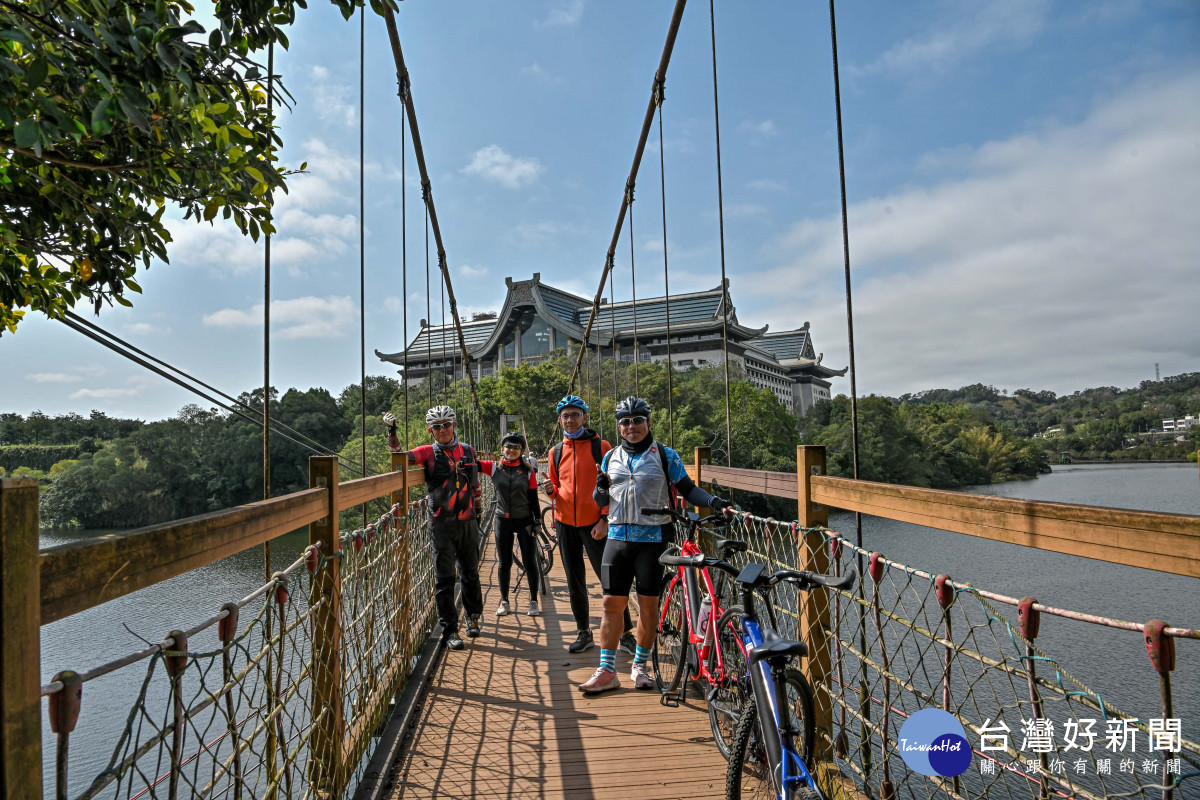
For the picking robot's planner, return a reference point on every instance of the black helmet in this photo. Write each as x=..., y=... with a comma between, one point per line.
x=514, y=438
x=633, y=407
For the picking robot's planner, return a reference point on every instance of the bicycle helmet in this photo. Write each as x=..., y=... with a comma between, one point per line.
x=633, y=407
x=571, y=400
x=438, y=413
x=514, y=438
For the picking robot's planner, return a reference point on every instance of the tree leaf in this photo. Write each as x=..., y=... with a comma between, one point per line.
x=36, y=74
x=27, y=133
x=133, y=114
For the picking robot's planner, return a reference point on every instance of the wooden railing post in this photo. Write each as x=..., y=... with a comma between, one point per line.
x=20, y=656
x=326, y=775
x=403, y=618
x=814, y=605
x=703, y=455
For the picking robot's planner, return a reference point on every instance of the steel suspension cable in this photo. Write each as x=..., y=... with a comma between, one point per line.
x=247, y=415
x=612, y=316
x=402, y=71
x=660, y=89
x=266, y=442
x=712, y=19
x=124, y=348
x=660, y=76
x=404, y=250
x=362, y=243
x=637, y=389
x=428, y=307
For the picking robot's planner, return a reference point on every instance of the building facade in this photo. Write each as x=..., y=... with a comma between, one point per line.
x=537, y=319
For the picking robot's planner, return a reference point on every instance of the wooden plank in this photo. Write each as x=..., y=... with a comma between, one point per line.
x=20, y=655
x=78, y=576
x=503, y=718
x=325, y=769
x=1164, y=542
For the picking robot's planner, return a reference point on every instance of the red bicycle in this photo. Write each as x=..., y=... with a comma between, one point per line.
x=690, y=640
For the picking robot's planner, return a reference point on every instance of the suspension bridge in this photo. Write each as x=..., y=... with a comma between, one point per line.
x=327, y=680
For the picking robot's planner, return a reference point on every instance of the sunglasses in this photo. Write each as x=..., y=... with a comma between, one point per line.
x=512, y=447
x=631, y=421
x=571, y=415
x=437, y=426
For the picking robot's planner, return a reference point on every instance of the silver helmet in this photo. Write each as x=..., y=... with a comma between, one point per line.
x=438, y=413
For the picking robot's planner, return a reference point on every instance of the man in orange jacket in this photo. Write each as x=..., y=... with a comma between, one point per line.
x=577, y=518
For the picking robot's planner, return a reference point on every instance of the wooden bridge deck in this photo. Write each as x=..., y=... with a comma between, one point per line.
x=503, y=718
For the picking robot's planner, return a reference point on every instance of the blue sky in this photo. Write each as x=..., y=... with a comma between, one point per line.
x=1023, y=181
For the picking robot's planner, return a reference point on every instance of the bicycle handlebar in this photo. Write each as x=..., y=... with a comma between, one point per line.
x=803, y=580
x=711, y=519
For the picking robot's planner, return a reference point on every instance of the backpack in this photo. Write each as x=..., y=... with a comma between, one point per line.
x=596, y=455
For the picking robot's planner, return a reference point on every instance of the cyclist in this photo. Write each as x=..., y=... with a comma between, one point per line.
x=572, y=468
x=516, y=503
x=452, y=478
x=638, y=474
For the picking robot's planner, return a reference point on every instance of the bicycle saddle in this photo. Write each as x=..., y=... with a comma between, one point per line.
x=727, y=546
x=775, y=646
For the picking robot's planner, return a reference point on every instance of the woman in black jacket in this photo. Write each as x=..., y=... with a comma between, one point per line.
x=517, y=507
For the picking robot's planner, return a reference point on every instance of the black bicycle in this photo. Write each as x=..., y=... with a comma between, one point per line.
x=544, y=544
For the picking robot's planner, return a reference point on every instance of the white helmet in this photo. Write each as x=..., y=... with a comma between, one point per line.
x=438, y=413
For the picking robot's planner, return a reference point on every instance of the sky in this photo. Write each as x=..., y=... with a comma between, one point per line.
x=1023, y=181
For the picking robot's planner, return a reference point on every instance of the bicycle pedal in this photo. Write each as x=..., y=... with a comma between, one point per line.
x=712, y=693
x=670, y=699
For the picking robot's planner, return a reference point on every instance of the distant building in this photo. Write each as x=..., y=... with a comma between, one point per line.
x=537, y=318
x=1181, y=424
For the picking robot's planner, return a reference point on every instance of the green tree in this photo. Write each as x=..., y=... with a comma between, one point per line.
x=109, y=113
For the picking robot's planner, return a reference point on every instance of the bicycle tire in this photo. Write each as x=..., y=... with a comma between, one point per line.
x=669, y=653
x=749, y=776
x=545, y=561
x=727, y=704
x=547, y=517
x=545, y=546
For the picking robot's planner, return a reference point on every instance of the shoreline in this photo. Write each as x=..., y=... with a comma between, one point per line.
x=1126, y=461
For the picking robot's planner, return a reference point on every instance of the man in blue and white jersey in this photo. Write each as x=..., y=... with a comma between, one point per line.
x=635, y=475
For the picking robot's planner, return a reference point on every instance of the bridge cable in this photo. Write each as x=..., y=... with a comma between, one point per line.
x=403, y=92
x=73, y=321
x=712, y=18
x=612, y=318
x=428, y=307
x=402, y=70
x=660, y=92
x=637, y=389
x=266, y=442
x=659, y=76
x=362, y=243
x=865, y=710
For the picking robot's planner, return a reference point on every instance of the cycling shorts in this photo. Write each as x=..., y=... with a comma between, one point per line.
x=624, y=561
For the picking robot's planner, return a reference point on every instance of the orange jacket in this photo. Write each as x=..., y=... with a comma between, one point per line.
x=574, y=480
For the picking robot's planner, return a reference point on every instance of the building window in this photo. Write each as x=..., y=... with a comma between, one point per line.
x=508, y=352
x=535, y=335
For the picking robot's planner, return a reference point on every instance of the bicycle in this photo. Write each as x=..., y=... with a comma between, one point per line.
x=691, y=638
x=765, y=759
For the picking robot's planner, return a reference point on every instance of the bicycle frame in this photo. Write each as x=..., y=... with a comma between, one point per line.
x=699, y=645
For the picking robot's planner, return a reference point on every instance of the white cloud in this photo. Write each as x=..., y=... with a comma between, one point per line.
x=966, y=29
x=300, y=318
x=332, y=100
x=53, y=377
x=472, y=272
x=759, y=132
x=146, y=329
x=1058, y=259
x=393, y=304
x=544, y=231
x=494, y=164
x=745, y=210
x=562, y=14
x=535, y=70
x=103, y=394
x=766, y=185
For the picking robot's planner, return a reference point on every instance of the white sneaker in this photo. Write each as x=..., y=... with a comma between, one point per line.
x=533, y=611
x=504, y=609
x=641, y=676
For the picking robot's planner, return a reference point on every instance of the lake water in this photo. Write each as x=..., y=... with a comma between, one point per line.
x=1111, y=661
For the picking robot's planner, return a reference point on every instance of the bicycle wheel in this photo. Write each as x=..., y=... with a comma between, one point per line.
x=545, y=560
x=670, y=646
x=545, y=546
x=548, y=518
x=726, y=705
x=749, y=775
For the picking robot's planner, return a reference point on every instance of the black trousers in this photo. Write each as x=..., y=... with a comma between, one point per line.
x=522, y=529
x=456, y=543
x=574, y=541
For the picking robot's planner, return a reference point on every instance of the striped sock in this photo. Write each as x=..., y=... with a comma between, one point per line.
x=642, y=655
x=608, y=659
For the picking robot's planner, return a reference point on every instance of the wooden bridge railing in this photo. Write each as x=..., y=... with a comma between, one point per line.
x=39, y=587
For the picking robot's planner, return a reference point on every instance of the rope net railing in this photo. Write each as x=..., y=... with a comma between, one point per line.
x=1040, y=726
x=278, y=695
